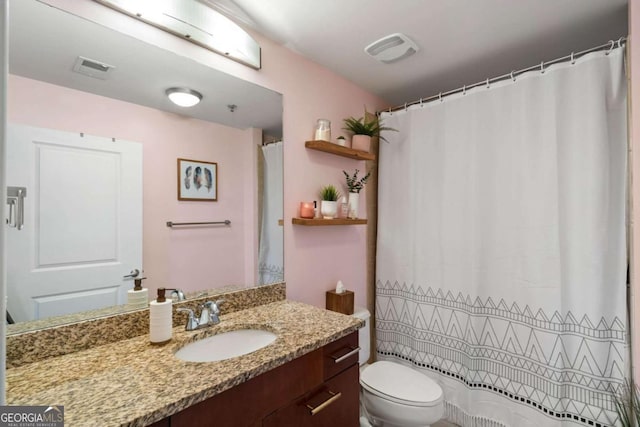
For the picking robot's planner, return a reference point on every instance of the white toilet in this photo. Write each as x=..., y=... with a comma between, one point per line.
x=394, y=395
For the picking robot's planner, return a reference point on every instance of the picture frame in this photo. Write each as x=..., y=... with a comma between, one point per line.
x=197, y=180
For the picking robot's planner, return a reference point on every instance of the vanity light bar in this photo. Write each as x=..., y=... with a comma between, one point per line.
x=196, y=22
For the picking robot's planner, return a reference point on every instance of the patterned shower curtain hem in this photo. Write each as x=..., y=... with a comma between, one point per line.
x=455, y=414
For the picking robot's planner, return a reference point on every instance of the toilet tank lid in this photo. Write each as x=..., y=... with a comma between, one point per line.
x=361, y=313
x=401, y=384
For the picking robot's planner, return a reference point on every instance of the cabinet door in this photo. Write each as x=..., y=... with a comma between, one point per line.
x=246, y=404
x=335, y=403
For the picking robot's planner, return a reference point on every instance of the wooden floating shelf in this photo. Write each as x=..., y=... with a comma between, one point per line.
x=319, y=221
x=339, y=150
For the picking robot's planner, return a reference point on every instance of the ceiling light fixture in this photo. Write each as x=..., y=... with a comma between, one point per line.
x=184, y=97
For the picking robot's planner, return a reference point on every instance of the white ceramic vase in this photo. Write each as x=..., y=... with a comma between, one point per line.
x=354, y=199
x=328, y=209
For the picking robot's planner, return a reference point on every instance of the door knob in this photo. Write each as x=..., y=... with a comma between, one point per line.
x=134, y=273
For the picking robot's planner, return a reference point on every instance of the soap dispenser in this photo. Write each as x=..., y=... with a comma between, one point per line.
x=160, y=319
x=138, y=297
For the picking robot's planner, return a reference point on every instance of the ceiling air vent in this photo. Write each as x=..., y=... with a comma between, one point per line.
x=391, y=48
x=92, y=68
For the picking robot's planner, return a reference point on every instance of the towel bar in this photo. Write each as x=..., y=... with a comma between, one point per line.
x=171, y=224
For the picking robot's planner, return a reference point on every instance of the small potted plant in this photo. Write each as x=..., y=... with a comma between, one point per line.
x=341, y=141
x=363, y=129
x=627, y=404
x=354, y=185
x=329, y=195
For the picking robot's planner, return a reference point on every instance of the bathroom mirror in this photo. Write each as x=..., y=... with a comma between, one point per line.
x=82, y=80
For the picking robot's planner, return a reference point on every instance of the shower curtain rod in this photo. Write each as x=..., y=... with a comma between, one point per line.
x=610, y=45
x=275, y=141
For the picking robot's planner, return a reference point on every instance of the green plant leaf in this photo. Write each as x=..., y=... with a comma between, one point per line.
x=353, y=184
x=329, y=193
x=627, y=403
x=360, y=126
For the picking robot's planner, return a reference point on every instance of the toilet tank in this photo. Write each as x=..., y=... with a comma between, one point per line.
x=363, y=334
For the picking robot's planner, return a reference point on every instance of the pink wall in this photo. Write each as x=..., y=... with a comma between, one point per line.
x=172, y=258
x=634, y=127
x=315, y=257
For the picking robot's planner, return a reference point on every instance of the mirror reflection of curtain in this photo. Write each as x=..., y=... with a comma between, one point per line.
x=271, y=249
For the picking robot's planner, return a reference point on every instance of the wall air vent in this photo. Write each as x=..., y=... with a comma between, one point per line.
x=92, y=68
x=392, y=48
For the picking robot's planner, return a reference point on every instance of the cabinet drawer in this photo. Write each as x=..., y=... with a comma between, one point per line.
x=335, y=403
x=340, y=354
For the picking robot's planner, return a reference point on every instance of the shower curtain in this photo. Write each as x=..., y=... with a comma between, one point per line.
x=271, y=245
x=501, y=254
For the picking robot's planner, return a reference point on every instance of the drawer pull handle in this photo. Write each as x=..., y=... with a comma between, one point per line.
x=338, y=359
x=323, y=405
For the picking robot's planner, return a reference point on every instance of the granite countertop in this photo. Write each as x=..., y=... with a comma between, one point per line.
x=135, y=383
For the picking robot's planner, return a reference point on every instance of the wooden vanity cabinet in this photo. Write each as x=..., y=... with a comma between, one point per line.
x=324, y=382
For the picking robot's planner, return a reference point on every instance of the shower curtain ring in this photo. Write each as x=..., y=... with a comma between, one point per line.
x=440, y=96
x=405, y=106
x=611, y=47
x=542, y=67
x=620, y=42
x=573, y=59
x=421, y=103
x=488, y=85
x=464, y=89
x=512, y=76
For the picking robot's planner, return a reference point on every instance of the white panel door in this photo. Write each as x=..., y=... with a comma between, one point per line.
x=82, y=224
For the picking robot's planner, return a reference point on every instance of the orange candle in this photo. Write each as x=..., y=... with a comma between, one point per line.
x=306, y=210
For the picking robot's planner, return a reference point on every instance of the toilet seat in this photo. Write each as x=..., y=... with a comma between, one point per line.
x=401, y=384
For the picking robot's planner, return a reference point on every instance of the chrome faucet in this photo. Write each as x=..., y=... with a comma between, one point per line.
x=214, y=311
x=192, y=322
x=209, y=315
x=176, y=294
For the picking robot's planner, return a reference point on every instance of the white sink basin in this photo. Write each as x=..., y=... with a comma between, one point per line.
x=226, y=345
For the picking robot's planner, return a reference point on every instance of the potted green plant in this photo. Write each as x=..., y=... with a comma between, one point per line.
x=354, y=185
x=363, y=129
x=329, y=196
x=628, y=405
x=341, y=140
